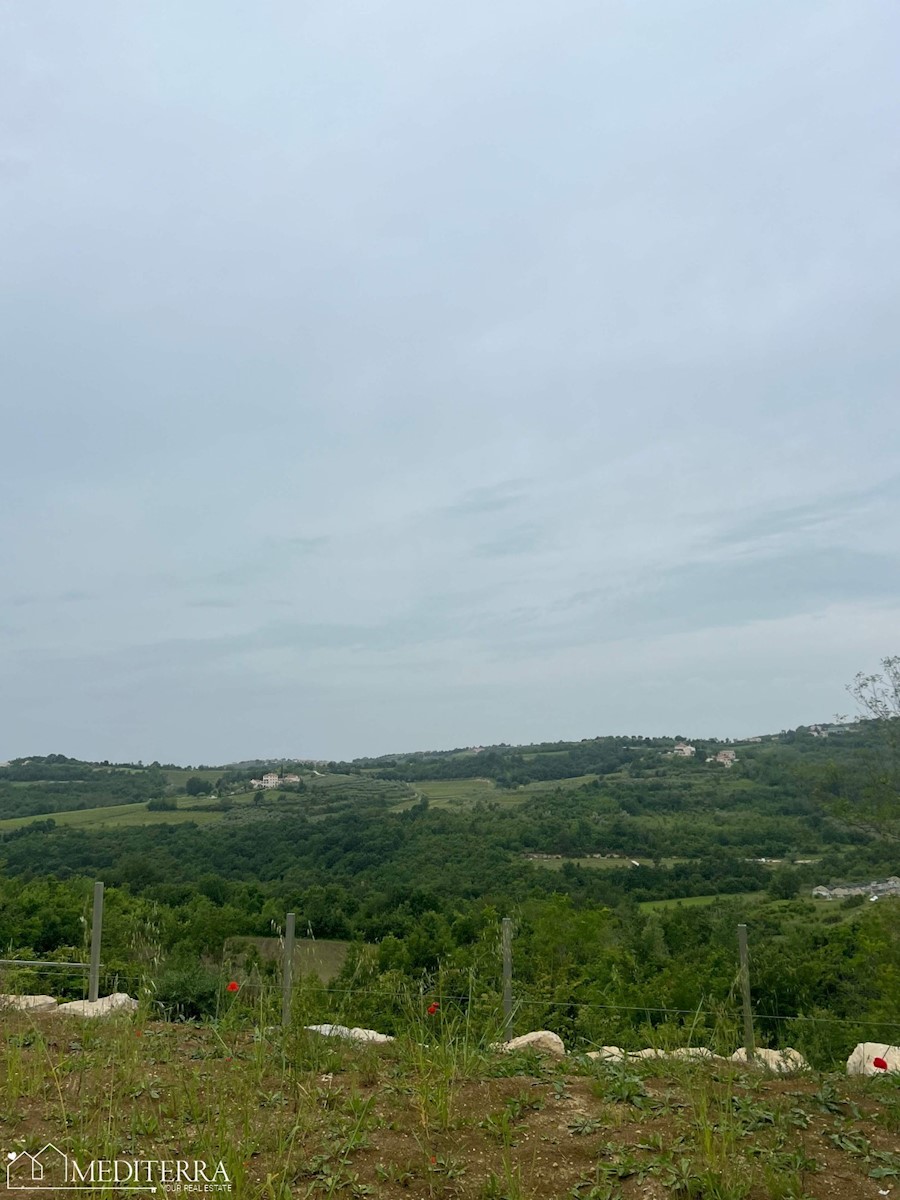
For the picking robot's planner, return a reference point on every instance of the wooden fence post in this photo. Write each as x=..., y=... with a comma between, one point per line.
x=506, y=942
x=96, y=935
x=749, y=1041
x=287, y=972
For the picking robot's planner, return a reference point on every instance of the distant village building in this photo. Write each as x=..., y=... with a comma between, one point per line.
x=269, y=780
x=879, y=887
x=684, y=750
x=726, y=757
x=273, y=780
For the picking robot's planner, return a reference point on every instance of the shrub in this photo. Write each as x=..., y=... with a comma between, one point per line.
x=188, y=991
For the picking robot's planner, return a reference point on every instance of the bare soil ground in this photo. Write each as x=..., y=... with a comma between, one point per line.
x=306, y=1116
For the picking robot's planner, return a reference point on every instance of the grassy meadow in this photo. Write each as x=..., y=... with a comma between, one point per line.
x=602, y=864
x=119, y=815
x=693, y=901
x=323, y=957
x=436, y=1114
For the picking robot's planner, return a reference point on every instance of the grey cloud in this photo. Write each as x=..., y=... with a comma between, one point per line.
x=272, y=556
x=708, y=595
x=307, y=545
x=24, y=600
x=521, y=539
x=358, y=364
x=498, y=498
x=801, y=518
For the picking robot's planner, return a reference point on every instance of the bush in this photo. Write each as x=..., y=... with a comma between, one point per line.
x=188, y=992
x=162, y=804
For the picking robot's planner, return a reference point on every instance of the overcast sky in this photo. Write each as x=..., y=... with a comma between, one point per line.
x=388, y=375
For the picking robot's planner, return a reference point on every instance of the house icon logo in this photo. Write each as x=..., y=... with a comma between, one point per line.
x=47, y=1169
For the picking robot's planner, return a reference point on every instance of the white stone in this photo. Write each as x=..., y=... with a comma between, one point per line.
x=607, y=1054
x=106, y=1006
x=541, y=1040
x=351, y=1035
x=369, y=1035
x=783, y=1062
x=28, y=1003
x=616, y=1054
x=861, y=1059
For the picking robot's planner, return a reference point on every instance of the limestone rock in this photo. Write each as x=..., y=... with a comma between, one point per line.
x=28, y=1003
x=351, y=1035
x=106, y=1006
x=862, y=1059
x=541, y=1040
x=616, y=1054
x=783, y=1062
x=607, y=1054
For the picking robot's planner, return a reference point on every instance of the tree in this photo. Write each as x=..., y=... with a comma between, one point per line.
x=876, y=802
x=162, y=804
x=878, y=696
x=196, y=786
x=784, y=884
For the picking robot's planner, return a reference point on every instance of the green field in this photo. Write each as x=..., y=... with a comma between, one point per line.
x=462, y=793
x=690, y=901
x=121, y=815
x=551, y=785
x=178, y=776
x=319, y=956
x=603, y=864
x=190, y=807
x=452, y=793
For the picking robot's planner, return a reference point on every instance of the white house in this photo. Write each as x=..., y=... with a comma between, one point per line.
x=269, y=780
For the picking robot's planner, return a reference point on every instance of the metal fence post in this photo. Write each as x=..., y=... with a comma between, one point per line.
x=96, y=934
x=749, y=1041
x=287, y=971
x=506, y=942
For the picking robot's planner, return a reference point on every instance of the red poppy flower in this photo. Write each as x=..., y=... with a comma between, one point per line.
x=879, y=1063
x=432, y=1008
x=232, y=987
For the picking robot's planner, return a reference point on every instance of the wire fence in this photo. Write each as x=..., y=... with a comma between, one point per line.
x=259, y=986
x=279, y=982
x=141, y=981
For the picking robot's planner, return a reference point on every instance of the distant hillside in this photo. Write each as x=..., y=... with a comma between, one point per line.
x=625, y=863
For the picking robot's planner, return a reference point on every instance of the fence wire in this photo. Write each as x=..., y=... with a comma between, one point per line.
x=342, y=995
x=532, y=1001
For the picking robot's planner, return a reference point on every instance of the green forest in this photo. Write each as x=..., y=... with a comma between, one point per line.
x=625, y=868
